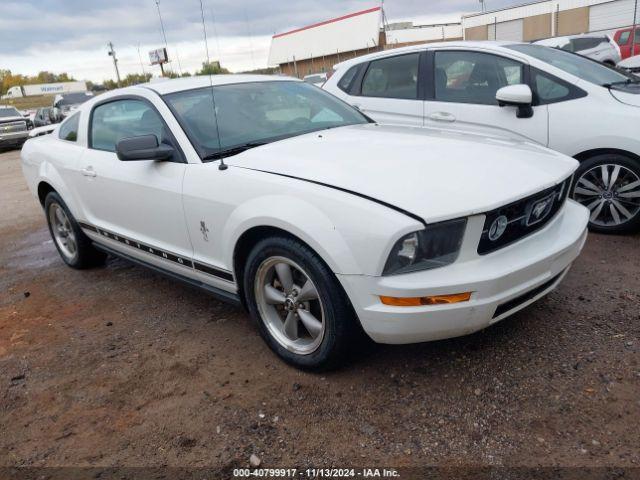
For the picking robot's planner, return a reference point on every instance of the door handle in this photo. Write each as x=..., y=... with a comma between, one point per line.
x=88, y=172
x=443, y=117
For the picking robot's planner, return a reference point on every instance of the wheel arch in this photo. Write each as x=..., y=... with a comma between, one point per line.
x=44, y=188
x=587, y=154
x=248, y=240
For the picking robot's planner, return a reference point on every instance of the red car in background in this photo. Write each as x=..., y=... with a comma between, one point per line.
x=624, y=39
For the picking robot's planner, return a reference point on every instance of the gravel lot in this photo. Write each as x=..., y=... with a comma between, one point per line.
x=121, y=367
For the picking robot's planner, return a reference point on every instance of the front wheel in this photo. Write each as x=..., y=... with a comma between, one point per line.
x=609, y=186
x=300, y=308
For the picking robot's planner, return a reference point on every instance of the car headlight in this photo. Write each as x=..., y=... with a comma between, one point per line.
x=435, y=246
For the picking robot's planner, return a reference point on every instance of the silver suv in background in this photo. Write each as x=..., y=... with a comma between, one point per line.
x=598, y=47
x=13, y=127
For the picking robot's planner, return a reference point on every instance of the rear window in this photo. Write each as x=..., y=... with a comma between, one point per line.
x=587, y=43
x=392, y=77
x=69, y=128
x=346, y=82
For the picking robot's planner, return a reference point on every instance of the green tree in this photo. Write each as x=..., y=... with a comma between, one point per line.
x=212, y=68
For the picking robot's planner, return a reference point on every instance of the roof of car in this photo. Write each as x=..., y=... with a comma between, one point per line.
x=188, y=83
x=424, y=46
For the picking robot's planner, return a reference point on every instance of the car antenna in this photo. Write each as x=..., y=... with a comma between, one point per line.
x=222, y=166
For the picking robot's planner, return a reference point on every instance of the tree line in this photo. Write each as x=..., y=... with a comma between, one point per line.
x=9, y=79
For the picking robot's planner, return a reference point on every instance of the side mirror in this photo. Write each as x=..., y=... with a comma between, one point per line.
x=143, y=147
x=519, y=96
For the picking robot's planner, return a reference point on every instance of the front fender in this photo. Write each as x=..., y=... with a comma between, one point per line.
x=297, y=217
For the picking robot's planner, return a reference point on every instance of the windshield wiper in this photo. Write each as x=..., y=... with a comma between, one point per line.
x=229, y=152
x=628, y=81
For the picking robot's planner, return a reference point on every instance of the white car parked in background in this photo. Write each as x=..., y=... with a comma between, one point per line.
x=318, y=221
x=599, y=47
x=561, y=100
x=631, y=65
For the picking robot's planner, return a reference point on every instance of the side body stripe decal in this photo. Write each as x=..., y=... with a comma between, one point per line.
x=171, y=257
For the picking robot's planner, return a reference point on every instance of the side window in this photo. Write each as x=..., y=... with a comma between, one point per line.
x=637, y=35
x=69, y=129
x=393, y=77
x=624, y=37
x=113, y=121
x=346, y=82
x=471, y=77
x=549, y=89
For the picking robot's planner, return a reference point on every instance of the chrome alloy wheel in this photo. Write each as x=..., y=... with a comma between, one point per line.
x=289, y=305
x=62, y=231
x=611, y=192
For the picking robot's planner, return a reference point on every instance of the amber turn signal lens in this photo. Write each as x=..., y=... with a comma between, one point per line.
x=432, y=300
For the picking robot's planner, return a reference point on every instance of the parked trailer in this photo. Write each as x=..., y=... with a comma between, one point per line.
x=45, y=89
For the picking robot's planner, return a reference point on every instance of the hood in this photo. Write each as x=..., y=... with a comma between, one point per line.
x=628, y=94
x=12, y=119
x=631, y=62
x=432, y=173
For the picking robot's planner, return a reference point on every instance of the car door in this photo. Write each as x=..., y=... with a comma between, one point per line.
x=389, y=91
x=623, y=39
x=136, y=203
x=461, y=91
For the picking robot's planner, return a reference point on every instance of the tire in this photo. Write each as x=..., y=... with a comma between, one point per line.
x=63, y=226
x=614, y=207
x=340, y=327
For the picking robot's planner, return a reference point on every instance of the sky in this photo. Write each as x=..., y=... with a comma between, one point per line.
x=72, y=35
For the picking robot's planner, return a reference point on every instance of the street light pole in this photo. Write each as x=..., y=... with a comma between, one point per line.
x=112, y=54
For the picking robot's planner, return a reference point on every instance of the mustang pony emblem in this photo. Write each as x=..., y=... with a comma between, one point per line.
x=540, y=210
x=204, y=230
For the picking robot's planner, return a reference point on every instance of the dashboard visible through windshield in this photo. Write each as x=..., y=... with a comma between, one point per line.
x=251, y=114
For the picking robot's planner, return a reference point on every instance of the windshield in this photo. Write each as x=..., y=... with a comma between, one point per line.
x=581, y=67
x=73, y=99
x=9, y=112
x=257, y=112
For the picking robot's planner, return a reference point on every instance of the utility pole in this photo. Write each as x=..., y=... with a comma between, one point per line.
x=112, y=54
x=483, y=8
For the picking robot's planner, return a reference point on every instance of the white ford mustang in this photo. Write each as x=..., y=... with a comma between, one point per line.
x=273, y=193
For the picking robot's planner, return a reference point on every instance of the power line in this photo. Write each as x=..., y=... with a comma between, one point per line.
x=215, y=33
x=204, y=32
x=164, y=35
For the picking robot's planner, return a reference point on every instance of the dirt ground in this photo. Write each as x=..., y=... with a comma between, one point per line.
x=121, y=367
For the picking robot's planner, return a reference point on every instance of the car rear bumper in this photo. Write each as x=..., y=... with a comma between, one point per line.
x=502, y=283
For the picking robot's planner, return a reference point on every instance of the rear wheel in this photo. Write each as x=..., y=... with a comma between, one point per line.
x=72, y=244
x=609, y=186
x=300, y=308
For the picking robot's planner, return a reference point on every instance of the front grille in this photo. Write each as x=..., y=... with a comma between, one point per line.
x=11, y=127
x=510, y=223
